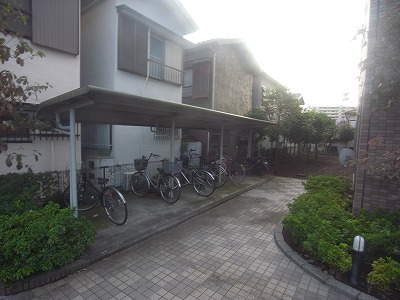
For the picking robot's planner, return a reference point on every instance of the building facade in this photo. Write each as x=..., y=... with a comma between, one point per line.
x=223, y=75
x=378, y=125
x=53, y=28
x=135, y=47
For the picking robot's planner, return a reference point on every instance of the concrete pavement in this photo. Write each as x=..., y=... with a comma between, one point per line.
x=233, y=251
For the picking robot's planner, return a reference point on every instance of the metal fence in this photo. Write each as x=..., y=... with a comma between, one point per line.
x=118, y=175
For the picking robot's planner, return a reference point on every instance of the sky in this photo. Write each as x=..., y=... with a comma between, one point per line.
x=306, y=45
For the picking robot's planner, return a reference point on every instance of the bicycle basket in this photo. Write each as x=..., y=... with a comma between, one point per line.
x=172, y=167
x=140, y=164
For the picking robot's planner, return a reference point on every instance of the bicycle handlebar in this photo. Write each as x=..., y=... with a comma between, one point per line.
x=151, y=154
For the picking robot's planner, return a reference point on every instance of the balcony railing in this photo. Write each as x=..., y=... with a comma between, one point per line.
x=165, y=73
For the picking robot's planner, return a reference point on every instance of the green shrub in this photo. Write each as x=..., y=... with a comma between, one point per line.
x=381, y=230
x=328, y=244
x=319, y=222
x=308, y=210
x=40, y=241
x=27, y=191
x=385, y=274
x=336, y=184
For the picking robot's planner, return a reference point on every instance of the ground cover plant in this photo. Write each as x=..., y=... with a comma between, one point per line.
x=36, y=234
x=320, y=226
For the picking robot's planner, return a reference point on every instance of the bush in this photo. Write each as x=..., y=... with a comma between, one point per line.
x=336, y=184
x=27, y=191
x=385, y=274
x=319, y=224
x=41, y=241
x=309, y=209
x=381, y=230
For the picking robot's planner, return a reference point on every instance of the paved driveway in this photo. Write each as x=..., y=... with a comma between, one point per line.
x=227, y=252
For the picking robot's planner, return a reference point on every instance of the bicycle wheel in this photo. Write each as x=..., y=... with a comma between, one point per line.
x=170, y=188
x=219, y=174
x=203, y=183
x=139, y=184
x=237, y=173
x=88, y=196
x=115, y=205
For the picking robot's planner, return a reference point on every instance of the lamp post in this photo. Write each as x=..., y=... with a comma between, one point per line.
x=358, y=252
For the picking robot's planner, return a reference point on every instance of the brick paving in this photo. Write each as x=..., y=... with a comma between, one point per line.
x=228, y=252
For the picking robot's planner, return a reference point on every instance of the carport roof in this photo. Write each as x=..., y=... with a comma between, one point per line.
x=99, y=105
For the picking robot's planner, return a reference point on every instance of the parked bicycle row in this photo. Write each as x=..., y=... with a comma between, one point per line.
x=175, y=175
x=168, y=181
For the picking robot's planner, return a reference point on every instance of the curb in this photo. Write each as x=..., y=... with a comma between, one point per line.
x=315, y=272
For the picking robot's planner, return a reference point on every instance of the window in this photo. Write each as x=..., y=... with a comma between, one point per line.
x=132, y=45
x=201, y=80
x=143, y=53
x=96, y=136
x=164, y=133
x=188, y=78
x=51, y=23
x=156, y=57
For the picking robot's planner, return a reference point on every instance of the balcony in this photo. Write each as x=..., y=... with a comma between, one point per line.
x=165, y=73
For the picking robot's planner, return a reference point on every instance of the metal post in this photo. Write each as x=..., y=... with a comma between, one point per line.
x=73, y=195
x=249, y=143
x=221, y=145
x=172, y=140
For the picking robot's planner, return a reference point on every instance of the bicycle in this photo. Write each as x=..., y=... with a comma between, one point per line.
x=219, y=173
x=235, y=171
x=202, y=181
x=108, y=197
x=167, y=183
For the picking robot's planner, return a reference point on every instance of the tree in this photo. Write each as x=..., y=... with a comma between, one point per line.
x=295, y=130
x=321, y=128
x=15, y=90
x=279, y=103
x=346, y=134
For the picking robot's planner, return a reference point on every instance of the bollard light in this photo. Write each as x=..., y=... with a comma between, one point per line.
x=358, y=251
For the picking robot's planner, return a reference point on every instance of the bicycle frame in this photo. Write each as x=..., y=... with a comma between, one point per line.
x=107, y=197
x=152, y=182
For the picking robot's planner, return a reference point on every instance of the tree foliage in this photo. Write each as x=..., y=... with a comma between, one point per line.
x=15, y=90
x=346, y=133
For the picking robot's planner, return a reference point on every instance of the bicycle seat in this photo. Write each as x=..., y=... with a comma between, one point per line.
x=102, y=180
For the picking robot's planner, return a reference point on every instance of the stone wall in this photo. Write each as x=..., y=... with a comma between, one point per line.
x=233, y=93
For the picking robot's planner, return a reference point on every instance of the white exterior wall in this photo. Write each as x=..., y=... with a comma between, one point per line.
x=99, y=45
x=62, y=71
x=54, y=156
x=140, y=141
x=154, y=10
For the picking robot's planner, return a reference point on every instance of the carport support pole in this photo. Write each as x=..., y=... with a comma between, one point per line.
x=221, y=145
x=249, y=143
x=73, y=197
x=172, y=140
